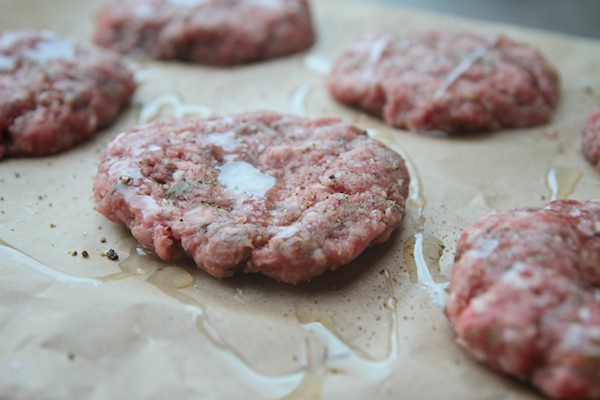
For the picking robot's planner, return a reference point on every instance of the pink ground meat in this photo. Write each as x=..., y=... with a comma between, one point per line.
x=214, y=32
x=525, y=296
x=55, y=93
x=591, y=139
x=446, y=80
x=262, y=192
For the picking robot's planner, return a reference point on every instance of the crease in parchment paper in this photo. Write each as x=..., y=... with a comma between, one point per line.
x=134, y=336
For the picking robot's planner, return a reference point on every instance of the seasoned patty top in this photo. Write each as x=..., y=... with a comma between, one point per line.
x=525, y=296
x=258, y=192
x=214, y=32
x=55, y=93
x=446, y=80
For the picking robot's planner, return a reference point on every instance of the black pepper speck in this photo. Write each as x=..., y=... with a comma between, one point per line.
x=112, y=255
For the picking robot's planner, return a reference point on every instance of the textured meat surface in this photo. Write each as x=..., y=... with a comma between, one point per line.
x=591, y=139
x=260, y=192
x=54, y=93
x=214, y=32
x=525, y=297
x=446, y=80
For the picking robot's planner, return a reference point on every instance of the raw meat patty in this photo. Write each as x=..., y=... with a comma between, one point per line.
x=214, y=32
x=54, y=93
x=591, y=139
x=446, y=80
x=261, y=192
x=525, y=296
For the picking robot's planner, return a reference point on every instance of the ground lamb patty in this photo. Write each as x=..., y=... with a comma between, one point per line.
x=446, y=81
x=591, y=139
x=214, y=32
x=281, y=195
x=525, y=296
x=55, y=93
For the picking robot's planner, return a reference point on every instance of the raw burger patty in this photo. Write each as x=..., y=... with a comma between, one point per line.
x=446, y=80
x=261, y=192
x=525, y=296
x=54, y=93
x=591, y=139
x=214, y=32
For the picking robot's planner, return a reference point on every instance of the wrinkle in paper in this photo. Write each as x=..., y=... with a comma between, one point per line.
x=133, y=336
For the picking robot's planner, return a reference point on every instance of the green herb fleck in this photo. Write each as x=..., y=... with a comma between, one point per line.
x=180, y=190
x=209, y=182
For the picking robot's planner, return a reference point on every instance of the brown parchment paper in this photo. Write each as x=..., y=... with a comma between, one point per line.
x=136, y=328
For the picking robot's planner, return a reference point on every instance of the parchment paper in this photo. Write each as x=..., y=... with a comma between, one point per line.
x=91, y=328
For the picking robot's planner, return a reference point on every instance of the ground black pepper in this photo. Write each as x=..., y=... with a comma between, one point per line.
x=112, y=255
